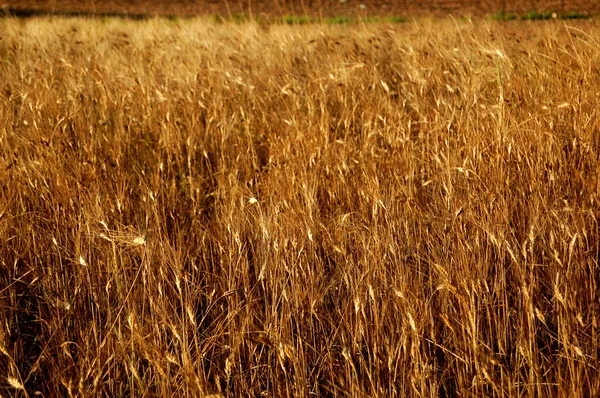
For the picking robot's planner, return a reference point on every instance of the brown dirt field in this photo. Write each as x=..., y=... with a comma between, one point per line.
x=350, y=8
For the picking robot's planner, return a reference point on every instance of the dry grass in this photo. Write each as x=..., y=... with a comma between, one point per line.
x=192, y=208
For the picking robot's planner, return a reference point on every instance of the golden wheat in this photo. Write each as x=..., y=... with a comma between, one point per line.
x=192, y=208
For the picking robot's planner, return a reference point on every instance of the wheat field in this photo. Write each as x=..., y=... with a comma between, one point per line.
x=192, y=208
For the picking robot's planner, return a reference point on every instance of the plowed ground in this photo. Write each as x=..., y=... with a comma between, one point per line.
x=350, y=8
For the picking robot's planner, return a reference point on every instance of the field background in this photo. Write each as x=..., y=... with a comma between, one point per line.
x=256, y=209
x=314, y=8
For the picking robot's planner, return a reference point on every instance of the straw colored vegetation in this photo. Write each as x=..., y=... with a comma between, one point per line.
x=191, y=208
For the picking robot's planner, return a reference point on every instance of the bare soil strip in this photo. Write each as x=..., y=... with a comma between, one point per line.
x=315, y=8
